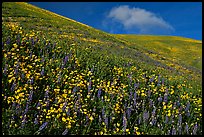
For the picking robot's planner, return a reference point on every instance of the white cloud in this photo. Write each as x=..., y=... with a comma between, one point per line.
x=140, y=19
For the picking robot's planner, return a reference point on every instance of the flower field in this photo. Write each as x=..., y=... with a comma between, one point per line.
x=60, y=77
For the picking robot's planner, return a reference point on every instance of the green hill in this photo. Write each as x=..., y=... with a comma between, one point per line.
x=61, y=76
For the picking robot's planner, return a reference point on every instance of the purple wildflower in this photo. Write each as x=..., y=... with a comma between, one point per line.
x=149, y=93
x=68, y=112
x=166, y=120
x=187, y=106
x=99, y=93
x=66, y=59
x=154, y=112
x=8, y=41
x=5, y=69
x=106, y=121
x=179, y=129
x=64, y=107
x=43, y=126
x=180, y=119
x=188, y=113
x=173, y=131
x=42, y=72
x=30, y=96
x=31, y=80
x=13, y=86
x=128, y=112
x=165, y=98
x=130, y=96
x=145, y=116
x=160, y=99
x=65, y=132
x=36, y=121
x=186, y=128
x=135, y=98
x=195, y=128
x=124, y=122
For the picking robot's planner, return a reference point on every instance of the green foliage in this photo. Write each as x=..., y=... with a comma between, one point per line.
x=59, y=74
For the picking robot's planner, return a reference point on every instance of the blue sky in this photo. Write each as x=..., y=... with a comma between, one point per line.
x=154, y=18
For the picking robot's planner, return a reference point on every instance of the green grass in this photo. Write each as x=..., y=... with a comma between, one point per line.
x=70, y=75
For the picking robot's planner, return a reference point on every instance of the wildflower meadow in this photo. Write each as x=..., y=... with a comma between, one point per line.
x=62, y=77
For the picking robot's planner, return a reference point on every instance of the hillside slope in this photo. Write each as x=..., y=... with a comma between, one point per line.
x=181, y=50
x=64, y=77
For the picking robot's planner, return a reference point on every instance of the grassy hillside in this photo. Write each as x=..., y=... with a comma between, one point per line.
x=64, y=77
x=181, y=50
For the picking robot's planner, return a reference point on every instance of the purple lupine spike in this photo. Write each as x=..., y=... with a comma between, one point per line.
x=65, y=132
x=42, y=72
x=5, y=69
x=31, y=80
x=166, y=91
x=14, y=105
x=8, y=41
x=187, y=129
x=124, y=122
x=128, y=112
x=16, y=71
x=43, y=126
x=74, y=89
x=149, y=93
x=59, y=79
x=187, y=106
x=68, y=112
x=180, y=119
x=166, y=120
x=173, y=132
x=43, y=59
x=180, y=109
x=130, y=96
x=154, y=112
x=135, y=99
x=13, y=86
x=152, y=79
x=195, y=128
x=64, y=106
x=99, y=93
x=31, y=54
x=179, y=129
x=30, y=96
x=178, y=103
x=32, y=41
x=154, y=121
x=145, y=116
x=188, y=113
x=106, y=121
x=66, y=59
x=165, y=98
x=160, y=99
